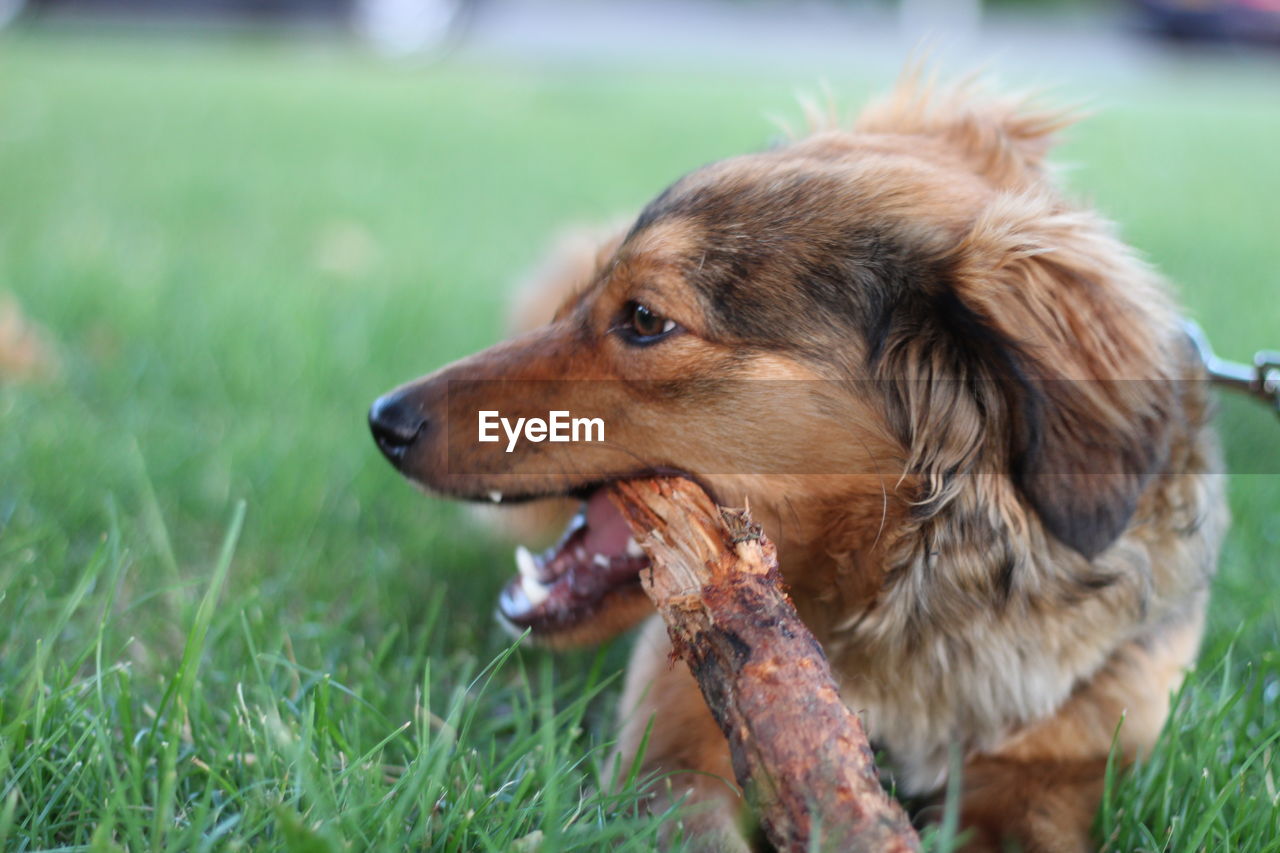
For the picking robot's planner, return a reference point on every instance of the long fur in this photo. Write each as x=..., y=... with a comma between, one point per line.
x=997, y=509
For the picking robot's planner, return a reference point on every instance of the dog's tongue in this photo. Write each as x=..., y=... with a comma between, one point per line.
x=607, y=531
x=566, y=584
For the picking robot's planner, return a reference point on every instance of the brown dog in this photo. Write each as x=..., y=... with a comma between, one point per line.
x=962, y=408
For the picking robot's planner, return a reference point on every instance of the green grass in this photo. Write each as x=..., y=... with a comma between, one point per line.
x=225, y=624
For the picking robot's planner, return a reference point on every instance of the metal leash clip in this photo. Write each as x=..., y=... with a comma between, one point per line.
x=1267, y=363
x=1260, y=381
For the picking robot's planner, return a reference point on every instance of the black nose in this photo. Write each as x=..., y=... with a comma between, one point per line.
x=396, y=421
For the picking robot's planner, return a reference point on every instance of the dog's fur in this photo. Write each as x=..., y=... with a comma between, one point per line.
x=980, y=588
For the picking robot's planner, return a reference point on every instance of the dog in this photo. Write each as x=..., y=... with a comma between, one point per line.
x=964, y=410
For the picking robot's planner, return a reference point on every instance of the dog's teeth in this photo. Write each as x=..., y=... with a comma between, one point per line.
x=578, y=521
x=533, y=590
x=530, y=583
x=495, y=496
x=600, y=560
x=526, y=564
x=633, y=547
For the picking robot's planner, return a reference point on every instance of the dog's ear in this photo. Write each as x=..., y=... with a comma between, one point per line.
x=1005, y=139
x=1075, y=333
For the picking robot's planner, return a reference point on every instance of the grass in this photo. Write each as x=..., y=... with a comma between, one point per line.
x=225, y=624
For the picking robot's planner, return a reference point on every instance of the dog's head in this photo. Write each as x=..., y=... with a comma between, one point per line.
x=846, y=332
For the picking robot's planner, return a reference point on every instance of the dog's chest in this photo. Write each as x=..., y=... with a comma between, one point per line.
x=935, y=669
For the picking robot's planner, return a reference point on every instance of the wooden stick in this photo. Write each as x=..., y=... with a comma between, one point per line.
x=796, y=748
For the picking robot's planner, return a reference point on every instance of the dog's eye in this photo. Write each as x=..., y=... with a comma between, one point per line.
x=643, y=326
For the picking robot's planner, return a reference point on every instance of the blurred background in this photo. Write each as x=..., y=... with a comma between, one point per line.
x=227, y=225
x=820, y=30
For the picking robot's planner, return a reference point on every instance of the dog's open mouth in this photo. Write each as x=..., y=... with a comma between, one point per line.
x=593, y=568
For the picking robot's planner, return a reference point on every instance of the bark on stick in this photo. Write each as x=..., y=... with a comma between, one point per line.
x=796, y=748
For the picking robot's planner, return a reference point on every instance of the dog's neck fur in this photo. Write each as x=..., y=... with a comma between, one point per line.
x=903, y=602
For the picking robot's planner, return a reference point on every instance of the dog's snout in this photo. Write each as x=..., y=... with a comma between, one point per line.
x=396, y=420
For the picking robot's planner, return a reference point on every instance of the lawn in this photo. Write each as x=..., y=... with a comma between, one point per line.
x=226, y=624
